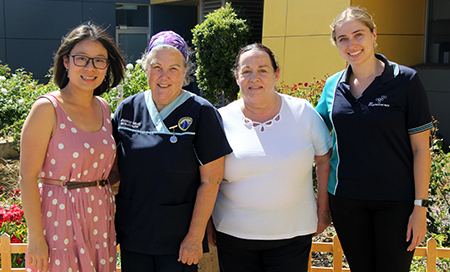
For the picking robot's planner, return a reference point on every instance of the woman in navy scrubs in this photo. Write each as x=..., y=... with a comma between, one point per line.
x=171, y=147
x=379, y=115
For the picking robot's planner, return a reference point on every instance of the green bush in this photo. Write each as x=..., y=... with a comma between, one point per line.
x=18, y=92
x=439, y=191
x=135, y=81
x=217, y=41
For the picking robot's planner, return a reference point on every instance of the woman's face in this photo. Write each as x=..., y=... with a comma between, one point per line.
x=255, y=74
x=88, y=77
x=355, y=41
x=165, y=74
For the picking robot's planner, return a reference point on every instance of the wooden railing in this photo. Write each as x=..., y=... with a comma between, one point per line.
x=431, y=252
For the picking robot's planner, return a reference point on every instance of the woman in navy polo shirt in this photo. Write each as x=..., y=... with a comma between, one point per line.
x=171, y=147
x=379, y=115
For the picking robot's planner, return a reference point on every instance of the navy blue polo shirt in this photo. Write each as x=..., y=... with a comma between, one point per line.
x=160, y=177
x=372, y=155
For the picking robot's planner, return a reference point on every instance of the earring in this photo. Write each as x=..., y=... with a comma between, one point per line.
x=67, y=72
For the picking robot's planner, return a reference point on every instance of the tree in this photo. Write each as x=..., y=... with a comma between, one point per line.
x=217, y=41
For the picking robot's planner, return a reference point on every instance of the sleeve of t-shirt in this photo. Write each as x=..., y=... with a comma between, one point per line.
x=210, y=140
x=326, y=99
x=418, y=111
x=320, y=135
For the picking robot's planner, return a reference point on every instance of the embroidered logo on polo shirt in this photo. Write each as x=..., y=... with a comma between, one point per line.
x=184, y=123
x=379, y=102
x=129, y=123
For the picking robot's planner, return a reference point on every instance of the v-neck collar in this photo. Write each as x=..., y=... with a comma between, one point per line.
x=158, y=117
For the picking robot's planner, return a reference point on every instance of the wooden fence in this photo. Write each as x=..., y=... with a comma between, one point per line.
x=431, y=252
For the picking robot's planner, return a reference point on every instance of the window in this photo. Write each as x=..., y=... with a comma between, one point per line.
x=132, y=30
x=438, y=50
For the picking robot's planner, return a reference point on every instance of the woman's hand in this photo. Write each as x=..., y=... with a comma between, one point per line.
x=324, y=218
x=37, y=254
x=323, y=167
x=417, y=227
x=191, y=250
x=36, y=133
x=211, y=231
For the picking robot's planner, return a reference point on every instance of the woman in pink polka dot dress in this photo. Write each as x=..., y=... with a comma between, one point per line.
x=67, y=143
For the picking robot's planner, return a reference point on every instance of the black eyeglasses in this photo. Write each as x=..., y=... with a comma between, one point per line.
x=82, y=61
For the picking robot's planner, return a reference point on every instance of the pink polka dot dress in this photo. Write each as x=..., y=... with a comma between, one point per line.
x=79, y=223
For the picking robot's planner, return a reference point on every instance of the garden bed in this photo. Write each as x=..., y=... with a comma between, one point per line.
x=9, y=171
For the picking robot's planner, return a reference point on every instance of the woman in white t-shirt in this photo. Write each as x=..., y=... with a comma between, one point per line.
x=266, y=211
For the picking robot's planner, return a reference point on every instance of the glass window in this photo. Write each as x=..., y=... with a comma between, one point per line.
x=439, y=32
x=131, y=15
x=132, y=45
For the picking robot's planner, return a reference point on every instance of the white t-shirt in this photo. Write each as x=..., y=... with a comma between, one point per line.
x=267, y=192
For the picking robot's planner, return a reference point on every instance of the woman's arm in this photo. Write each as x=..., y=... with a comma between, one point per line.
x=323, y=167
x=36, y=133
x=211, y=174
x=114, y=175
x=417, y=226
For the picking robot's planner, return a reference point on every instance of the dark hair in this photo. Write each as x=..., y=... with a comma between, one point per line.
x=90, y=31
x=256, y=46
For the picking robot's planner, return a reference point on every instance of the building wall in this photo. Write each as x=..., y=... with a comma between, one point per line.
x=31, y=30
x=401, y=28
x=299, y=34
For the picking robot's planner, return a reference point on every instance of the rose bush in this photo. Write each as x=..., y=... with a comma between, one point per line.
x=13, y=223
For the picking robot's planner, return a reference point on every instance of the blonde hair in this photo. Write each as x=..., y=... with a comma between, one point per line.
x=356, y=13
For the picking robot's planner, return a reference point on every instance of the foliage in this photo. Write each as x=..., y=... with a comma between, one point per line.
x=309, y=91
x=439, y=191
x=217, y=41
x=135, y=81
x=18, y=92
x=13, y=222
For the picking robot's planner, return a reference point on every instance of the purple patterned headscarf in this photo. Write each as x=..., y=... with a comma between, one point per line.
x=169, y=38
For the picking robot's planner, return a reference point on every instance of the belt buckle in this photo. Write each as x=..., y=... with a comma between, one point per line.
x=103, y=182
x=64, y=184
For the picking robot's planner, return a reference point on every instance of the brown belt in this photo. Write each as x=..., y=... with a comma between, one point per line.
x=74, y=185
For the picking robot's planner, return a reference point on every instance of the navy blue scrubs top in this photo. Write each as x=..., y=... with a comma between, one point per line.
x=159, y=179
x=372, y=155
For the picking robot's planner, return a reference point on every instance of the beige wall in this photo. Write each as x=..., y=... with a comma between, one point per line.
x=401, y=28
x=298, y=32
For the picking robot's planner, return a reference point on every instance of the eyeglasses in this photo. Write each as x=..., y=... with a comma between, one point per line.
x=83, y=61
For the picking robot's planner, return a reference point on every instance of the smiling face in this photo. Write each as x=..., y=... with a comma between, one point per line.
x=86, y=78
x=165, y=73
x=255, y=75
x=355, y=41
